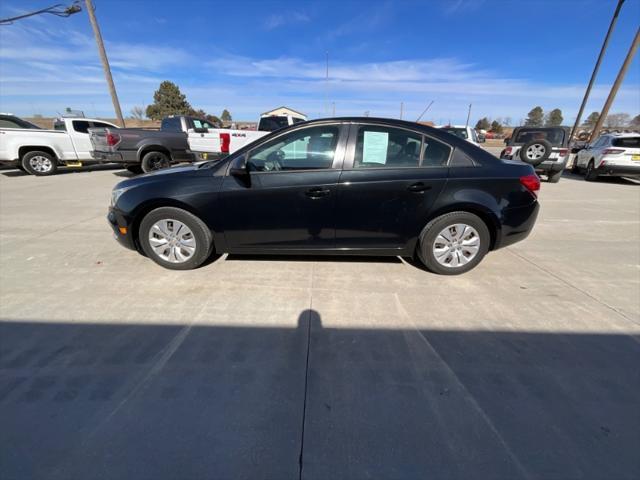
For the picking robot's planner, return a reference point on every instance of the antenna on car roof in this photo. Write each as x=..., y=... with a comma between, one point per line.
x=424, y=111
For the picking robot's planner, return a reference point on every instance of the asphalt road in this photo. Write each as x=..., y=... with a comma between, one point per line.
x=317, y=368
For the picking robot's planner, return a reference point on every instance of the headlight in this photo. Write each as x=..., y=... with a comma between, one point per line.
x=116, y=193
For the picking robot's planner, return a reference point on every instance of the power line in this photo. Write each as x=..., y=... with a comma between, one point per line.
x=58, y=10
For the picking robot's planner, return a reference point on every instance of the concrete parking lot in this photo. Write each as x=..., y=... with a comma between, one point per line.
x=317, y=368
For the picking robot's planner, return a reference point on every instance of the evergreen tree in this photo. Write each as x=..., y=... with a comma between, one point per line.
x=168, y=100
x=535, y=117
x=553, y=118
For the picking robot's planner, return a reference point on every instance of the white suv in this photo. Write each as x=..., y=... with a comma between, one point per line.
x=612, y=154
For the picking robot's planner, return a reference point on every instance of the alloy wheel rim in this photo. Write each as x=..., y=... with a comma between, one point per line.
x=172, y=241
x=456, y=245
x=40, y=164
x=158, y=162
x=535, y=151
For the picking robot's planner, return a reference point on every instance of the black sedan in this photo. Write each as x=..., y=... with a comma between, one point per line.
x=356, y=186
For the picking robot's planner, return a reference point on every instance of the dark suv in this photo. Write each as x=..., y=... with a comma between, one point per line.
x=334, y=186
x=544, y=148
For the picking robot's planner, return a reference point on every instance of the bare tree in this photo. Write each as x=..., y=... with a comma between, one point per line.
x=137, y=112
x=617, y=120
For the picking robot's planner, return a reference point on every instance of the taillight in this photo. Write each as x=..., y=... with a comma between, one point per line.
x=112, y=139
x=225, y=141
x=531, y=183
x=508, y=150
x=612, y=151
x=563, y=152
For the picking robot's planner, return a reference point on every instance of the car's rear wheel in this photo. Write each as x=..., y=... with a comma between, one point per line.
x=591, y=173
x=454, y=243
x=155, y=161
x=39, y=163
x=175, y=239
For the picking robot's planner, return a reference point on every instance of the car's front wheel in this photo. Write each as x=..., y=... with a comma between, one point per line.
x=175, y=239
x=454, y=243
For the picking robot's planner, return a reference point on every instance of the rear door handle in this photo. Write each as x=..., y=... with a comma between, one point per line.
x=418, y=187
x=317, y=192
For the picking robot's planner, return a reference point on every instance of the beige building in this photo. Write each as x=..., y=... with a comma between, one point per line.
x=282, y=111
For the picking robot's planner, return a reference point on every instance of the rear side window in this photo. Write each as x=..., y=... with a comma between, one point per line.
x=171, y=124
x=627, y=142
x=271, y=124
x=382, y=147
x=436, y=154
x=81, y=126
x=60, y=126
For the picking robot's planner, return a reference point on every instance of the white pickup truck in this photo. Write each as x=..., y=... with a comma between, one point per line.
x=203, y=138
x=40, y=152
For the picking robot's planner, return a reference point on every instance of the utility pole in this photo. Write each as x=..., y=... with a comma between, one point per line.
x=616, y=85
x=401, y=109
x=105, y=61
x=468, y=115
x=605, y=43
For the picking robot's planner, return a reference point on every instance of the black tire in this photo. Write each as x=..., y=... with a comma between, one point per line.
x=38, y=163
x=432, y=230
x=526, y=157
x=134, y=168
x=591, y=174
x=201, y=234
x=155, y=161
x=554, y=177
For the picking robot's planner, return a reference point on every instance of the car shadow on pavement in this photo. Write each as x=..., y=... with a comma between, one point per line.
x=313, y=258
x=609, y=180
x=144, y=400
x=64, y=170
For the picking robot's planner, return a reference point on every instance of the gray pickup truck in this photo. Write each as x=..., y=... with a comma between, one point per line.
x=142, y=150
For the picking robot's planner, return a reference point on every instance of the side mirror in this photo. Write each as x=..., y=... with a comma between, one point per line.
x=506, y=140
x=239, y=167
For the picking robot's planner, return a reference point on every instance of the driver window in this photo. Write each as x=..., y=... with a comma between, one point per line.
x=308, y=149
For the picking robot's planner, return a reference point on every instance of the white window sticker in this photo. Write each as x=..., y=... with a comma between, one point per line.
x=375, y=147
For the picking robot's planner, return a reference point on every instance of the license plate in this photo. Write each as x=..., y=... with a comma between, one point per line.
x=635, y=158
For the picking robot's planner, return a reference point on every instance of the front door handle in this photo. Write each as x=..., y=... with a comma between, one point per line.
x=317, y=192
x=418, y=187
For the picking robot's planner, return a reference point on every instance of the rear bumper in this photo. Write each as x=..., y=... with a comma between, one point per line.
x=117, y=221
x=619, y=170
x=552, y=165
x=517, y=224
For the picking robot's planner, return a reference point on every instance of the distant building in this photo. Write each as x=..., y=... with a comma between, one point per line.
x=283, y=111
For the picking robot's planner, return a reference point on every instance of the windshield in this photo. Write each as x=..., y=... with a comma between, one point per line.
x=555, y=136
x=626, y=142
x=458, y=132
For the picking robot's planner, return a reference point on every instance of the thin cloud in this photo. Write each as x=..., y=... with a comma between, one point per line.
x=280, y=20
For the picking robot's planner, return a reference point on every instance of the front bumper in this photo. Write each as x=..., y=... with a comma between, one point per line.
x=517, y=224
x=609, y=169
x=117, y=220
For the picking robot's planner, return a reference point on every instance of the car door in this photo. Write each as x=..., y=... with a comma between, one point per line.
x=202, y=136
x=287, y=198
x=80, y=138
x=390, y=180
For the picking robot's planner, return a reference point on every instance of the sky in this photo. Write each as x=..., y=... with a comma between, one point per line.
x=502, y=56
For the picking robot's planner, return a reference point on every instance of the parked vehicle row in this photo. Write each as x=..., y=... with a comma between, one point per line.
x=39, y=151
x=360, y=186
x=75, y=142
